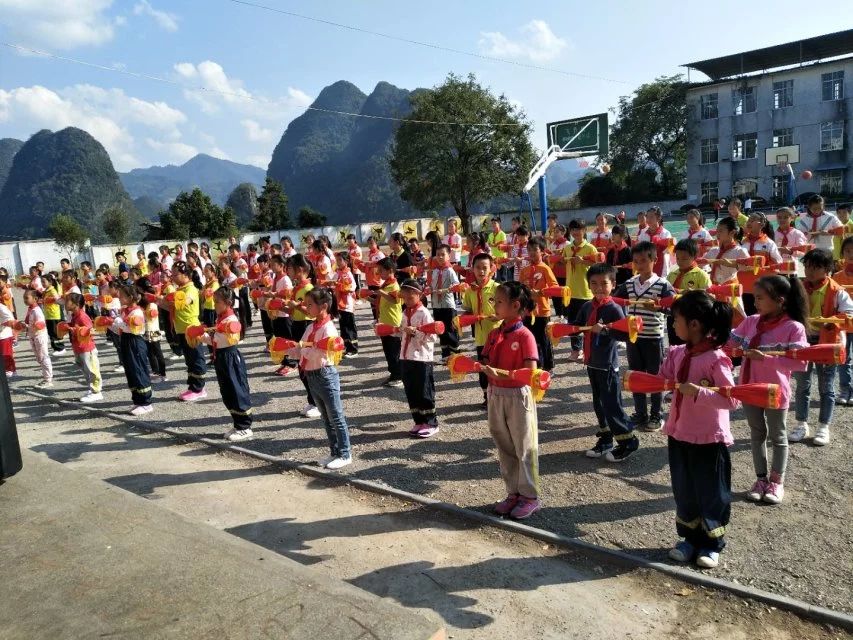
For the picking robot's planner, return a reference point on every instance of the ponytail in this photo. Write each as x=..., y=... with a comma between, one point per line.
x=790, y=292
x=520, y=292
x=714, y=316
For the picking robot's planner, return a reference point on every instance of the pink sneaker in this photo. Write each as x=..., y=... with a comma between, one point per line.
x=415, y=428
x=193, y=396
x=525, y=508
x=758, y=490
x=505, y=506
x=775, y=493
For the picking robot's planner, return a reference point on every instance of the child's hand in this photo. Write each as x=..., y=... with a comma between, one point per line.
x=489, y=371
x=597, y=328
x=535, y=294
x=688, y=389
x=409, y=330
x=755, y=354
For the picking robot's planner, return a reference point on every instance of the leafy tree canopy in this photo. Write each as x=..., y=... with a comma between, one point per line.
x=193, y=215
x=308, y=218
x=116, y=225
x=68, y=234
x=271, y=211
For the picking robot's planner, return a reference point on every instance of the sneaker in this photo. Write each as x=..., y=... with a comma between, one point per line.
x=350, y=354
x=58, y=352
x=44, y=384
x=525, y=507
x=758, y=490
x=708, y=559
x=505, y=506
x=800, y=432
x=156, y=377
x=841, y=401
x=427, y=431
x=313, y=412
x=683, y=551
x=339, y=463
x=118, y=368
x=92, y=397
x=11, y=374
x=238, y=435
x=283, y=370
x=141, y=410
x=415, y=428
x=638, y=423
x=603, y=446
x=323, y=462
x=775, y=493
x=394, y=384
x=175, y=356
x=821, y=436
x=576, y=356
x=654, y=425
x=623, y=450
x=193, y=396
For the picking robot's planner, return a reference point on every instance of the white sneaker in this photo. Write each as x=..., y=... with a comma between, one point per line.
x=92, y=397
x=800, y=432
x=141, y=410
x=175, y=356
x=238, y=435
x=324, y=462
x=118, y=368
x=44, y=384
x=339, y=463
x=58, y=353
x=313, y=412
x=821, y=436
x=11, y=374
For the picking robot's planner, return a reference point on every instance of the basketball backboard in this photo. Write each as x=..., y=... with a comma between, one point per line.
x=586, y=136
x=782, y=155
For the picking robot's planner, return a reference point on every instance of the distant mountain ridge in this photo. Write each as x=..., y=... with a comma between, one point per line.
x=8, y=148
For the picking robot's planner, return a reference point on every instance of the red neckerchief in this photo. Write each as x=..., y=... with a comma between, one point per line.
x=656, y=232
x=815, y=218
x=30, y=309
x=496, y=337
x=681, y=274
x=690, y=233
x=764, y=325
x=753, y=240
x=593, y=319
x=812, y=288
x=479, y=290
x=684, y=369
x=219, y=318
x=127, y=311
x=390, y=280
x=406, y=337
x=723, y=249
x=315, y=327
x=785, y=236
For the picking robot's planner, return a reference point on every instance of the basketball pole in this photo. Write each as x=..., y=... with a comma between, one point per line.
x=543, y=205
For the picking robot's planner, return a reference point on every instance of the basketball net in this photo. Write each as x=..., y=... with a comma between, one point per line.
x=785, y=168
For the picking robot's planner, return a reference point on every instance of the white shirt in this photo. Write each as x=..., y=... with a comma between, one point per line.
x=763, y=247
x=311, y=358
x=662, y=233
x=721, y=273
x=824, y=222
x=5, y=316
x=454, y=241
x=793, y=237
x=421, y=346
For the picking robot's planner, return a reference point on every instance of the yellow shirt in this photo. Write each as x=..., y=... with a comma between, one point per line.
x=576, y=273
x=390, y=312
x=52, y=311
x=494, y=240
x=837, y=241
x=187, y=315
x=480, y=301
x=299, y=293
x=693, y=278
x=208, y=303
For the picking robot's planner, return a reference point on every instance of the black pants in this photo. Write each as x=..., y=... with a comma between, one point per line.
x=419, y=383
x=134, y=352
x=155, y=358
x=208, y=319
x=391, y=348
x=571, y=314
x=374, y=302
x=607, y=404
x=282, y=327
x=559, y=307
x=483, y=379
x=701, y=484
x=233, y=381
x=168, y=329
x=245, y=311
x=543, y=344
x=266, y=324
x=115, y=339
x=348, y=331
x=196, y=364
x=297, y=329
x=55, y=343
x=646, y=354
x=449, y=340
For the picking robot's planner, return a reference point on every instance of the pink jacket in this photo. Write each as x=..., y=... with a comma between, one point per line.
x=777, y=370
x=703, y=419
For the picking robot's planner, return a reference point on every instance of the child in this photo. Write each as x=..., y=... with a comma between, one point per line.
x=578, y=256
x=371, y=271
x=787, y=237
x=736, y=214
x=602, y=366
x=518, y=253
x=416, y=367
x=686, y=277
x=7, y=333
x=619, y=253
x=757, y=241
x=842, y=212
x=496, y=238
x=345, y=288
x=646, y=353
x=512, y=410
x=85, y=352
x=778, y=326
x=696, y=230
x=39, y=341
x=697, y=429
x=152, y=334
x=661, y=238
x=600, y=236
x=134, y=350
x=113, y=310
x=299, y=271
x=558, y=265
x=723, y=258
x=454, y=241
x=141, y=262
x=322, y=264
x=642, y=225
x=479, y=300
x=391, y=313
x=185, y=315
x=167, y=326
x=322, y=377
x=211, y=284
x=443, y=301
x=825, y=298
x=845, y=371
x=230, y=367
x=355, y=255
x=282, y=324
x=537, y=276
x=817, y=224
x=263, y=276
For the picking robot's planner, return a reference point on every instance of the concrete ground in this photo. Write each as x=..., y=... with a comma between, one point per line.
x=479, y=582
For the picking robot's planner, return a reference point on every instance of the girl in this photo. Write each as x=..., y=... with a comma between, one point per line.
x=787, y=237
x=322, y=264
x=558, y=266
x=778, y=326
x=619, y=253
x=345, y=287
x=153, y=333
x=281, y=287
x=696, y=231
x=299, y=271
x=53, y=312
x=698, y=427
x=660, y=237
x=230, y=367
x=321, y=377
x=844, y=277
x=287, y=248
x=642, y=225
x=85, y=352
x=113, y=309
x=130, y=326
x=600, y=236
x=371, y=271
x=184, y=310
x=7, y=333
x=416, y=355
x=204, y=254
x=208, y=305
x=757, y=241
x=37, y=333
x=141, y=262
x=723, y=258
x=511, y=409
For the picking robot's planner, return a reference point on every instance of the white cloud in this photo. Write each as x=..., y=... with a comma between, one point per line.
x=59, y=24
x=166, y=21
x=216, y=152
x=259, y=160
x=172, y=152
x=536, y=42
x=256, y=133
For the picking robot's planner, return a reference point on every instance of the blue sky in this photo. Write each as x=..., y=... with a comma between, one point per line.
x=283, y=62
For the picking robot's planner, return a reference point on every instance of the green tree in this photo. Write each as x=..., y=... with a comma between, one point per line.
x=461, y=165
x=308, y=218
x=272, y=208
x=116, y=225
x=223, y=223
x=193, y=215
x=68, y=234
x=244, y=201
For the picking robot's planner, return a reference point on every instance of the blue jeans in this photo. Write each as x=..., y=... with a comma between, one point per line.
x=825, y=387
x=325, y=387
x=845, y=371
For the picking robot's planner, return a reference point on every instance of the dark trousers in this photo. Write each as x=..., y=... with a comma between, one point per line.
x=571, y=314
x=607, y=404
x=543, y=344
x=55, y=343
x=297, y=330
x=168, y=329
x=391, y=348
x=484, y=380
x=646, y=354
x=115, y=339
x=155, y=358
x=266, y=324
x=282, y=327
x=134, y=353
x=374, y=302
x=233, y=381
x=559, y=307
x=419, y=383
x=208, y=319
x=449, y=340
x=196, y=364
x=245, y=311
x=701, y=484
x=348, y=331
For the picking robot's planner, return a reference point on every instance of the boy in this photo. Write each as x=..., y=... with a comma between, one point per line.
x=734, y=209
x=825, y=298
x=85, y=353
x=355, y=255
x=443, y=300
x=495, y=239
x=578, y=256
x=518, y=252
x=558, y=266
x=602, y=366
x=686, y=277
x=646, y=354
x=391, y=313
x=479, y=300
x=454, y=241
x=660, y=238
x=842, y=211
x=844, y=277
x=416, y=361
x=538, y=275
x=818, y=224
x=551, y=231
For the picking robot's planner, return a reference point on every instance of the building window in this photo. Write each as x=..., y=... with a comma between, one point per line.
x=833, y=85
x=709, y=106
x=745, y=188
x=710, y=191
x=780, y=188
x=783, y=94
x=743, y=100
x=832, y=135
x=783, y=137
x=831, y=182
x=710, y=150
x=744, y=146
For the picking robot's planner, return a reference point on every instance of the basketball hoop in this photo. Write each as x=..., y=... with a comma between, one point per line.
x=785, y=168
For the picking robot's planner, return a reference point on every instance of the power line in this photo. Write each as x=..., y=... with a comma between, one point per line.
x=429, y=45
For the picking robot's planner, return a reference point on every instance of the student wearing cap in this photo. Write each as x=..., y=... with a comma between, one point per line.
x=416, y=361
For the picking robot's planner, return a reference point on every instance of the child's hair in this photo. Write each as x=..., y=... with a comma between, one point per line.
x=386, y=264
x=277, y=247
x=120, y=254
x=434, y=242
x=350, y=236
x=288, y=240
x=318, y=245
x=276, y=260
x=656, y=212
x=698, y=214
x=537, y=242
x=819, y=259
x=847, y=242
x=521, y=292
x=516, y=219
x=143, y=285
x=620, y=229
x=561, y=228
x=843, y=205
x=344, y=257
x=714, y=316
x=496, y=219
x=213, y=269
x=50, y=276
x=731, y=226
x=136, y=271
x=32, y=293
x=644, y=248
x=74, y=298
x=298, y=261
x=577, y=223
x=601, y=269
x=86, y=264
x=766, y=227
x=552, y=216
x=786, y=210
x=129, y=291
x=688, y=246
x=443, y=247
x=815, y=199
x=485, y=256
x=233, y=247
x=324, y=296
x=736, y=202
x=400, y=239
x=226, y=295
x=181, y=267
x=522, y=231
x=789, y=291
